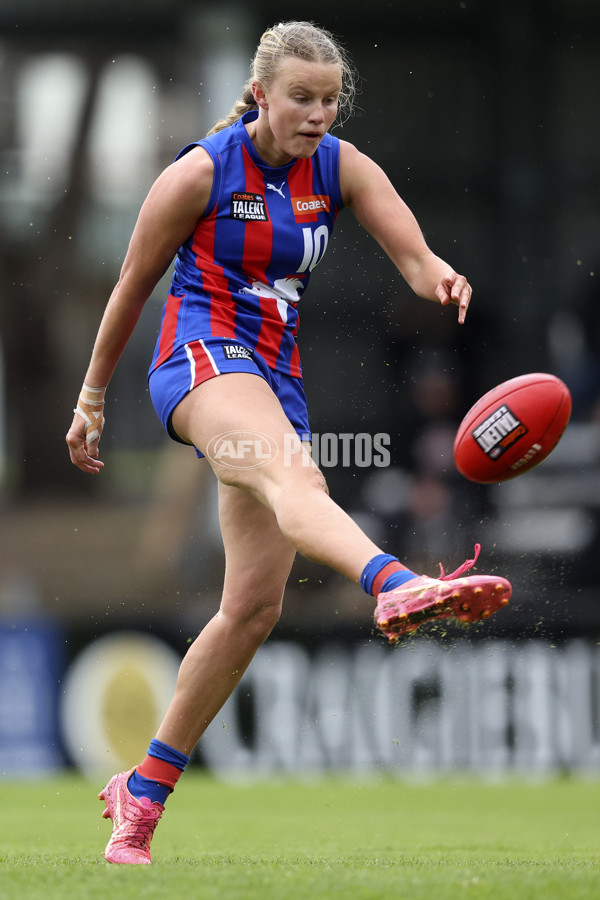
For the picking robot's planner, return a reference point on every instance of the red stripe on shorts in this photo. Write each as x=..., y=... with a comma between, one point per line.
x=202, y=363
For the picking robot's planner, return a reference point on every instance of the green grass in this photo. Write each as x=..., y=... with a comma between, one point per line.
x=320, y=839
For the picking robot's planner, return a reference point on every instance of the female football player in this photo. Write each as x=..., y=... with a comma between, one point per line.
x=247, y=214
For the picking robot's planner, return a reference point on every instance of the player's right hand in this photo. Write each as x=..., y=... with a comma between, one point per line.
x=83, y=455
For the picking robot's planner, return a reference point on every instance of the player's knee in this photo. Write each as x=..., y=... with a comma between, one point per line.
x=306, y=468
x=264, y=620
x=234, y=476
x=311, y=477
x=257, y=479
x=320, y=480
x=257, y=618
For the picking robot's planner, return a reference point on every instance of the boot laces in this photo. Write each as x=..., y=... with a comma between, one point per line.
x=468, y=564
x=138, y=828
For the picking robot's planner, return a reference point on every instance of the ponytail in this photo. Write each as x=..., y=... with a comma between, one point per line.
x=239, y=108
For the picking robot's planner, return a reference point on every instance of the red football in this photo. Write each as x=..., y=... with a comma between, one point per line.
x=512, y=428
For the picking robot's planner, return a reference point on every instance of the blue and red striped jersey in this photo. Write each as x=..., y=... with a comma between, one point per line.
x=242, y=272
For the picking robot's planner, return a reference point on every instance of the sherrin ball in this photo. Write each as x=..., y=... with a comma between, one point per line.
x=512, y=428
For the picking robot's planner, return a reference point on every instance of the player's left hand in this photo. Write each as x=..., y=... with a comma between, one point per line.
x=454, y=288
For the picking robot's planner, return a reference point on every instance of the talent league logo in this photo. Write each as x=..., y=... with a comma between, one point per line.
x=248, y=207
x=236, y=351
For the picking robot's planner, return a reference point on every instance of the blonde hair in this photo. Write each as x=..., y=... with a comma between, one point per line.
x=303, y=40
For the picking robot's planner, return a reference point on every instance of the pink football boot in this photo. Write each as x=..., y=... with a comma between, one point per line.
x=134, y=821
x=422, y=599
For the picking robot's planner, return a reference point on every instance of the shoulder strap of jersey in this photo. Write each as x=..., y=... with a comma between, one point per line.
x=216, y=158
x=333, y=145
x=216, y=187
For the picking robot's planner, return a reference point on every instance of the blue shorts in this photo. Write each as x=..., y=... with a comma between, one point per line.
x=198, y=361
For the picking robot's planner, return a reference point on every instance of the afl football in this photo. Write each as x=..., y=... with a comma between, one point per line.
x=512, y=428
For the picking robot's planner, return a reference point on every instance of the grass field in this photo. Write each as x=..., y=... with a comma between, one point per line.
x=325, y=839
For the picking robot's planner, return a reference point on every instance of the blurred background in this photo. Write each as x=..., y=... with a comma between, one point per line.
x=485, y=117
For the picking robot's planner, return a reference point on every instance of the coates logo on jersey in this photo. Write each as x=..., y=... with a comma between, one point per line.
x=307, y=208
x=249, y=207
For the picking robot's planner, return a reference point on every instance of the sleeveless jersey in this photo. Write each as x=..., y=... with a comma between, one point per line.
x=242, y=272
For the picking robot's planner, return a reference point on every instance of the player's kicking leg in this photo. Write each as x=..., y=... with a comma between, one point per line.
x=314, y=524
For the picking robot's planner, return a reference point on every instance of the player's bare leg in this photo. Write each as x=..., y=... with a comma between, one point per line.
x=294, y=489
x=290, y=485
x=258, y=559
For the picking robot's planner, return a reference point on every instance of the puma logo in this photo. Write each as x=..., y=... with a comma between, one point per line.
x=278, y=190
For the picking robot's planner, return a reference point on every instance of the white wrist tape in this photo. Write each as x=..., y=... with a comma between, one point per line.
x=90, y=406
